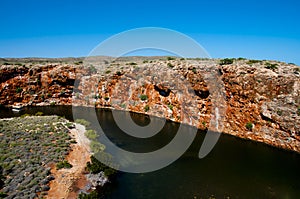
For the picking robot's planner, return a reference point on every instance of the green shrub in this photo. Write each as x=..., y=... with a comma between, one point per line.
x=77, y=95
x=143, y=97
x=97, y=146
x=63, y=164
x=91, y=134
x=279, y=112
x=39, y=113
x=145, y=61
x=146, y=108
x=119, y=73
x=106, y=98
x=82, y=122
x=170, y=58
x=3, y=195
x=170, y=106
x=271, y=66
x=170, y=65
x=107, y=72
x=132, y=63
x=123, y=106
x=78, y=63
x=92, y=195
x=298, y=112
x=70, y=125
x=226, y=61
x=253, y=61
x=95, y=166
x=25, y=115
x=249, y=126
x=19, y=90
x=52, y=103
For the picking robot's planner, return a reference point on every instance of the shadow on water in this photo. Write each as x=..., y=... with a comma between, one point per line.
x=235, y=168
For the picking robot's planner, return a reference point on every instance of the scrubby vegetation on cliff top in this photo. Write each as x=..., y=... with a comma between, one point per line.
x=263, y=92
x=27, y=146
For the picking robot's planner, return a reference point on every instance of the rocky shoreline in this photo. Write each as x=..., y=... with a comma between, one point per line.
x=261, y=97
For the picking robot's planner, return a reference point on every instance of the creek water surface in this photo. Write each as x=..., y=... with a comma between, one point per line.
x=235, y=168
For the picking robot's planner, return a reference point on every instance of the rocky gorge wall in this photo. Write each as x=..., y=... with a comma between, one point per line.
x=261, y=98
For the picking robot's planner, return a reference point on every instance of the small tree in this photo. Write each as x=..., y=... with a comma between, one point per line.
x=97, y=146
x=146, y=108
x=82, y=122
x=249, y=126
x=63, y=164
x=91, y=134
x=19, y=90
x=226, y=61
x=170, y=65
x=119, y=73
x=271, y=66
x=253, y=61
x=39, y=113
x=106, y=98
x=96, y=166
x=170, y=106
x=143, y=97
x=132, y=63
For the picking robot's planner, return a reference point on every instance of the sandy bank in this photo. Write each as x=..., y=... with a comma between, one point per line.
x=68, y=182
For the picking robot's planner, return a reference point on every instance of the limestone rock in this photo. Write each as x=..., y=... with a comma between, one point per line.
x=269, y=98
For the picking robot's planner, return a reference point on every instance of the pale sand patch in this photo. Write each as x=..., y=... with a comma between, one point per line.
x=68, y=181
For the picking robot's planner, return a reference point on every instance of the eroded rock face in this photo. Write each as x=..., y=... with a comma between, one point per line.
x=267, y=98
x=255, y=93
x=37, y=84
x=11, y=72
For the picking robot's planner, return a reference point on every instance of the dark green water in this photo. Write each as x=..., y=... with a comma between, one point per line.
x=235, y=168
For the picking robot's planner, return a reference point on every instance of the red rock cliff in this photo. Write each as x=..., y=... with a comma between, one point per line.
x=262, y=97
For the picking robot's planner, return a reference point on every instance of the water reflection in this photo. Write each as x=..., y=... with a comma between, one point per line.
x=235, y=168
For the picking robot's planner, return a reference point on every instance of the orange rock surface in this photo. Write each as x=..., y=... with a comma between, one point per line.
x=268, y=98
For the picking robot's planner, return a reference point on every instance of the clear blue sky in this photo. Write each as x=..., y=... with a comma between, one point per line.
x=267, y=29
